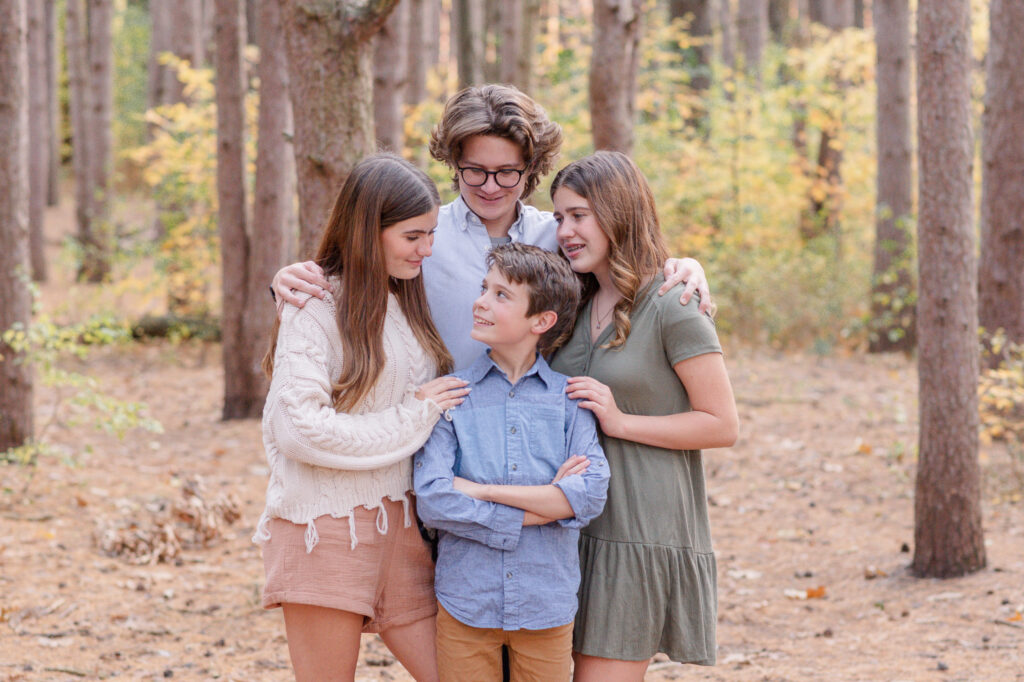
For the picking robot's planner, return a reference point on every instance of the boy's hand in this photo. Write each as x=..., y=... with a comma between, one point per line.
x=690, y=271
x=447, y=392
x=306, y=277
x=471, y=488
x=576, y=464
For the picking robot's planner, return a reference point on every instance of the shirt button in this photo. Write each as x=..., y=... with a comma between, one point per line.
x=512, y=394
x=515, y=467
x=419, y=465
x=512, y=430
x=509, y=575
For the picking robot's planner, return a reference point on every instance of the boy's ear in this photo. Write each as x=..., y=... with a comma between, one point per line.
x=543, y=321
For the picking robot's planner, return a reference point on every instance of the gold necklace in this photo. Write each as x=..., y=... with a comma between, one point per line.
x=601, y=318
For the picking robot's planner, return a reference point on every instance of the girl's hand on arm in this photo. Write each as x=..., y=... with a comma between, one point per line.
x=576, y=464
x=307, y=278
x=598, y=398
x=691, y=272
x=447, y=391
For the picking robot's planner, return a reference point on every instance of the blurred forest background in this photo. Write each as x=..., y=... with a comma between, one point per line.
x=849, y=172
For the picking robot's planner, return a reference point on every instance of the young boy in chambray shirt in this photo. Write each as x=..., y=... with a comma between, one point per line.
x=508, y=478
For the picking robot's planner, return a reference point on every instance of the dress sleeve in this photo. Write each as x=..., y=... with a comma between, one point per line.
x=300, y=414
x=440, y=506
x=685, y=331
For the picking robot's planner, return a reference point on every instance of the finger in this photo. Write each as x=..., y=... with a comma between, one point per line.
x=705, y=297
x=302, y=286
x=289, y=296
x=691, y=286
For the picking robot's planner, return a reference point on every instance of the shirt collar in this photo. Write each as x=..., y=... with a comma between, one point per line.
x=484, y=365
x=465, y=218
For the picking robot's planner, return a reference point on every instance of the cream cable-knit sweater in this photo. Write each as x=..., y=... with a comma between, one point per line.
x=328, y=462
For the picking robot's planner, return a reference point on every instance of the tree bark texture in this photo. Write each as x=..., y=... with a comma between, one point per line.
x=752, y=32
x=15, y=303
x=728, y=27
x=272, y=216
x=613, y=68
x=52, y=66
x=229, y=32
x=330, y=70
x=510, y=41
x=837, y=14
x=948, y=534
x=778, y=18
x=698, y=57
x=858, y=13
x=38, y=135
x=390, y=74
x=892, y=310
x=1001, y=274
x=96, y=260
x=468, y=18
x=177, y=27
x=424, y=47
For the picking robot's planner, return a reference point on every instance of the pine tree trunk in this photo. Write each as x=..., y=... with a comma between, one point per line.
x=525, y=79
x=892, y=309
x=468, y=17
x=948, y=535
x=613, y=68
x=778, y=18
x=698, y=57
x=510, y=41
x=837, y=14
x=858, y=13
x=333, y=107
x=80, y=96
x=1001, y=275
x=389, y=78
x=424, y=45
x=53, y=104
x=229, y=32
x=272, y=216
x=728, y=27
x=96, y=260
x=752, y=33
x=38, y=135
x=177, y=27
x=15, y=303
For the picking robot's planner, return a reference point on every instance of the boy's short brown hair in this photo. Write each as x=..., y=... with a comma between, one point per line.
x=551, y=282
x=502, y=111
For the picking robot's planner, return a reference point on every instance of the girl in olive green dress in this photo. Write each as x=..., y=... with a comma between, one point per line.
x=652, y=372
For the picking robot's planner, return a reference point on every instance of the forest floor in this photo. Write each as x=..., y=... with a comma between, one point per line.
x=811, y=511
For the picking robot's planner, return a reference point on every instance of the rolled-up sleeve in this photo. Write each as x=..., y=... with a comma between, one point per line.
x=442, y=507
x=588, y=491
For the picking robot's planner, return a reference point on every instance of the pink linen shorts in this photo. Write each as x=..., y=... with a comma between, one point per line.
x=388, y=577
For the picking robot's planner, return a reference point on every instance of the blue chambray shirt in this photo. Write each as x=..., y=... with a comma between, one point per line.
x=491, y=571
x=454, y=271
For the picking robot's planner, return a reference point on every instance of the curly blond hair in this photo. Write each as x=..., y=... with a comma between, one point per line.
x=502, y=111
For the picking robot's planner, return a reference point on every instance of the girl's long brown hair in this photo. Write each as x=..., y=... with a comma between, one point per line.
x=623, y=205
x=381, y=190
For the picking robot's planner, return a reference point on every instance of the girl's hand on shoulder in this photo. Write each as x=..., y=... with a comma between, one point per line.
x=691, y=272
x=597, y=398
x=307, y=278
x=576, y=464
x=447, y=392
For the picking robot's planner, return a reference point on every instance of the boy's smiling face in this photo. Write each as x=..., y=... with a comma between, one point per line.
x=499, y=313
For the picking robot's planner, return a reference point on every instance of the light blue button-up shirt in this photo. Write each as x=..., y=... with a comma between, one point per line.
x=492, y=572
x=453, y=273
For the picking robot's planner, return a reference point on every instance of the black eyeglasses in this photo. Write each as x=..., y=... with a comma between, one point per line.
x=477, y=177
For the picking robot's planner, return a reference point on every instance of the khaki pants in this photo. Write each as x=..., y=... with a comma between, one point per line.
x=468, y=654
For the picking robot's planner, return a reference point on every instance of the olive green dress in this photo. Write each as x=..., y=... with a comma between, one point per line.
x=648, y=569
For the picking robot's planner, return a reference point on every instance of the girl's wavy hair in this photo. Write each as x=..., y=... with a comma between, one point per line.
x=623, y=205
x=502, y=111
x=381, y=190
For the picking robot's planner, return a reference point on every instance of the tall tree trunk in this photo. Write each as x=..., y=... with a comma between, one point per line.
x=510, y=41
x=229, y=31
x=424, y=45
x=752, y=32
x=272, y=215
x=837, y=14
x=53, y=104
x=96, y=261
x=948, y=535
x=176, y=27
x=531, y=18
x=468, y=17
x=817, y=10
x=333, y=107
x=491, y=35
x=1001, y=275
x=778, y=18
x=698, y=57
x=613, y=68
x=15, y=304
x=858, y=13
x=728, y=26
x=892, y=309
x=38, y=136
x=389, y=78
